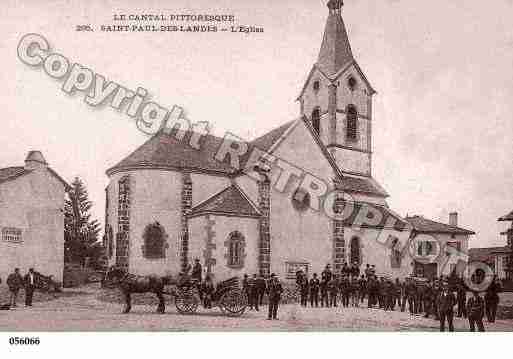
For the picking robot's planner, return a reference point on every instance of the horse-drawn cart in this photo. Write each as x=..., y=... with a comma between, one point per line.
x=228, y=296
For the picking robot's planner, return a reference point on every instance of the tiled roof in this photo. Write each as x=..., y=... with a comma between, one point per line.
x=361, y=184
x=230, y=201
x=486, y=254
x=166, y=151
x=387, y=218
x=10, y=173
x=266, y=141
x=508, y=217
x=424, y=225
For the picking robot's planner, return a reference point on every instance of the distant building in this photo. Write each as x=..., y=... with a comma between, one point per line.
x=495, y=257
x=31, y=218
x=445, y=235
x=508, y=257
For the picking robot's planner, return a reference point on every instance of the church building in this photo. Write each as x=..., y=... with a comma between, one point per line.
x=307, y=199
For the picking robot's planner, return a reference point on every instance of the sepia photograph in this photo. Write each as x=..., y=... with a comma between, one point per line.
x=255, y=166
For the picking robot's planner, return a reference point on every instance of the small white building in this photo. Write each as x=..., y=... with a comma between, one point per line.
x=31, y=218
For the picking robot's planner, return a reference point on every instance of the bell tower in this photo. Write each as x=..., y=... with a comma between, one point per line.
x=337, y=99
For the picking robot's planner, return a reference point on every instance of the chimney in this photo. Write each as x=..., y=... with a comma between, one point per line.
x=35, y=160
x=453, y=219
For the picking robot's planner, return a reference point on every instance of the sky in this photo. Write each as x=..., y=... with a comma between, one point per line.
x=442, y=124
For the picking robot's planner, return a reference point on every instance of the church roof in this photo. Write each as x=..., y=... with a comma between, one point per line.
x=266, y=141
x=231, y=201
x=362, y=185
x=335, y=50
x=11, y=173
x=508, y=217
x=388, y=218
x=424, y=225
x=166, y=151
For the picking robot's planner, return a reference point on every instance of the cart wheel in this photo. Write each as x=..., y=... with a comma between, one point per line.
x=186, y=302
x=234, y=302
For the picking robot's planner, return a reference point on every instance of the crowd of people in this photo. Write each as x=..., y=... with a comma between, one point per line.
x=440, y=298
x=15, y=282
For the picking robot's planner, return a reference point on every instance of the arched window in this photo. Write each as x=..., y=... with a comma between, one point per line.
x=154, y=237
x=395, y=255
x=352, y=123
x=316, y=120
x=355, y=252
x=236, y=254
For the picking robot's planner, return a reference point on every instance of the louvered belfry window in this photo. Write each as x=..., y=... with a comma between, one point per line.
x=352, y=123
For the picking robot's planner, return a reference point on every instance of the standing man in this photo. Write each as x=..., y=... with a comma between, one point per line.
x=381, y=292
x=314, y=291
x=254, y=292
x=362, y=287
x=461, y=296
x=446, y=303
x=324, y=291
x=492, y=300
x=197, y=271
x=333, y=290
x=367, y=271
x=14, y=282
x=475, y=310
x=355, y=270
x=327, y=273
x=411, y=294
x=30, y=285
x=303, y=290
x=274, y=290
x=261, y=287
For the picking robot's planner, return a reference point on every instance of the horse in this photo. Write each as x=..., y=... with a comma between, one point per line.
x=131, y=283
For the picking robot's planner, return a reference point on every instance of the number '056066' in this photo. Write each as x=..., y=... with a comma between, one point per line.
x=24, y=341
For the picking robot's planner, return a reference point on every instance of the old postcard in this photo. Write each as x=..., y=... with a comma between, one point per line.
x=238, y=165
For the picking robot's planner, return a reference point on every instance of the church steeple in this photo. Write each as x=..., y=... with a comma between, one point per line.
x=335, y=49
x=337, y=99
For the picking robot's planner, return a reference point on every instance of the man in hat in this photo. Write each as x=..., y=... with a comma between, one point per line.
x=327, y=273
x=30, y=285
x=14, y=282
x=253, y=288
x=314, y=291
x=475, y=310
x=492, y=300
x=197, y=271
x=303, y=289
x=261, y=287
x=446, y=303
x=274, y=290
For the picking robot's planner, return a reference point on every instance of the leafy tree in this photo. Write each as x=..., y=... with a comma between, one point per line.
x=80, y=230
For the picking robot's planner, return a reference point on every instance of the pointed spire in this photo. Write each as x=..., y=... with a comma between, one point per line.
x=335, y=49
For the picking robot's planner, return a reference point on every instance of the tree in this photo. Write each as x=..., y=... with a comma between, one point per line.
x=80, y=230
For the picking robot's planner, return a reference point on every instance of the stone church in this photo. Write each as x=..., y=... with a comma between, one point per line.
x=169, y=203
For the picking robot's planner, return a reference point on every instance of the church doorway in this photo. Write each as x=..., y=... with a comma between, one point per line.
x=355, y=255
